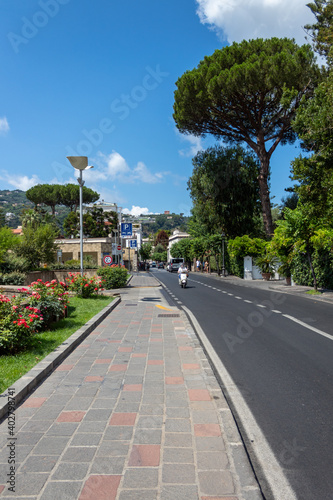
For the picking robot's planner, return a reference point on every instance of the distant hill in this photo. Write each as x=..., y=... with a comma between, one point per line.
x=13, y=203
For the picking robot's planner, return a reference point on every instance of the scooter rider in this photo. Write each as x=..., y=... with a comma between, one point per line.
x=182, y=269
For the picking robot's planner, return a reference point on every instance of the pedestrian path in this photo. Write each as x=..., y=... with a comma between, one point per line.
x=133, y=413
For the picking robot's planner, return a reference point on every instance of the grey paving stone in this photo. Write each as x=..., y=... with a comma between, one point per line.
x=143, y=477
x=90, y=426
x=37, y=426
x=63, y=490
x=85, y=391
x=70, y=471
x=178, y=473
x=130, y=397
x=46, y=412
x=211, y=460
x=104, y=402
x=150, y=422
x=79, y=454
x=209, y=444
x=86, y=439
x=29, y=483
x=147, y=436
x=177, y=425
x=153, y=399
x=28, y=438
x=125, y=407
x=98, y=415
x=178, y=439
x=51, y=445
x=62, y=429
x=216, y=483
x=118, y=433
x=205, y=417
x=139, y=495
x=151, y=409
x=59, y=400
x=111, y=465
x=176, y=412
x=38, y=464
x=77, y=403
x=113, y=449
x=178, y=455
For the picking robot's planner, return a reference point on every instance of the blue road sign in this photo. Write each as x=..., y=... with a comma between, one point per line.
x=126, y=229
x=133, y=244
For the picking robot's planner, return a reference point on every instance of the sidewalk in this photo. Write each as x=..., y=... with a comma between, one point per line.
x=133, y=413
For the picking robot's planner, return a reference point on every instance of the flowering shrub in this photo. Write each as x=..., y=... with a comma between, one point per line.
x=18, y=322
x=51, y=298
x=84, y=286
x=113, y=276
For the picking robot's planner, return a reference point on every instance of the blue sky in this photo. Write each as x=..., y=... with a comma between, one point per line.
x=97, y=79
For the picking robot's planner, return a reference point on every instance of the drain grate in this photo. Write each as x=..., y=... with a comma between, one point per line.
x=131, y=305
x=168, y=315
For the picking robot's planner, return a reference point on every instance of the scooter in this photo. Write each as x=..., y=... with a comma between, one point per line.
x=182, y=279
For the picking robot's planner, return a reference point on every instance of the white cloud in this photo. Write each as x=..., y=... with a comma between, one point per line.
x=195, y=144
x=4, y=125
x=113, y=167
x=136, y=211
x=22, y=182
x=236, y=20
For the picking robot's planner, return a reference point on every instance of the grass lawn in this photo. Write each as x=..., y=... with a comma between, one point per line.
x=80, y=311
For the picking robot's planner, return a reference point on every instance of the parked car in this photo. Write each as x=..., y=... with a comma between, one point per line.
x=175, y=263
x=153, y=264
x=160, y=265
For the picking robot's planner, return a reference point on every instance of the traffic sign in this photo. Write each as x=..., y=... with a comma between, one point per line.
x=118, y=248
x=107, y=259
x=133, y=244
x=126, y=229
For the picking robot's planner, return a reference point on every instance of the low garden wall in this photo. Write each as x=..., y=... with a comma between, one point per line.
x=60, y=275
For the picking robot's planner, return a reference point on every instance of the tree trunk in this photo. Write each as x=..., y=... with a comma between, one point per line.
x=315, y=285
x=264, y=193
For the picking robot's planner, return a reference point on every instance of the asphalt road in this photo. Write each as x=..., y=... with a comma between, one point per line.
x=273, y=346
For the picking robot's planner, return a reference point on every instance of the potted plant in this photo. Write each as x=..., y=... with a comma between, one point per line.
x=285, y=270
x=266, y=263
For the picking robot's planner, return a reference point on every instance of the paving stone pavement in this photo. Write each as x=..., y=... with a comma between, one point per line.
x=133, y=413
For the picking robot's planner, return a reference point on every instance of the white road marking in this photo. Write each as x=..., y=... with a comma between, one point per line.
x=324, y=334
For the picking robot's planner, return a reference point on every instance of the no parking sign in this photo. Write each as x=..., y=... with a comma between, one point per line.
x=107, y=259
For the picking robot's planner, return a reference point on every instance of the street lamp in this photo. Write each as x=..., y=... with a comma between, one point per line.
x=223, y=266
x=80, y=163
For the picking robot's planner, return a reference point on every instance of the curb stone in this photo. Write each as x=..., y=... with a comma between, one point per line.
x=29, y=381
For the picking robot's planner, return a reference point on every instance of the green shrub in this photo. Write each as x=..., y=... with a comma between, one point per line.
x=83, y=286
x=14, y=278
x=323, y=266
x=113, y=277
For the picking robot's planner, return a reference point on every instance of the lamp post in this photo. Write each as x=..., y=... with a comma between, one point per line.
x=80, y=163
x=223, y=265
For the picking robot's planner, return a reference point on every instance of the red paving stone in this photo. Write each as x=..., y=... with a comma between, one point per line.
x=123, y=419
x=71, y=416
x=155, y=362
x=191, y=366
x=156, y=340
x=219, y=498
x=145, y=455
x=185, y=348
x=174, y=380
x=93, y=378
x=132, y=387
x=199, y=395
x=1, y=487
x=100, y=487
x=118, y=368
x=139, y=355
x=143, y=335
x=34, y=402
x=125, y=349
x=207, y=430
x=64, y=368
x=103, y=361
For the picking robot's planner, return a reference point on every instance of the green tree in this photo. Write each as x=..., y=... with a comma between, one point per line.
x=96, y=223
x=70, y=196
x=2, y=218
x=145, y=251
x=37, y=244
x=321, y=31
x=45, y=194
x=182, y=249
x=225, y=191
x=248, y=92
x=8, y=241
